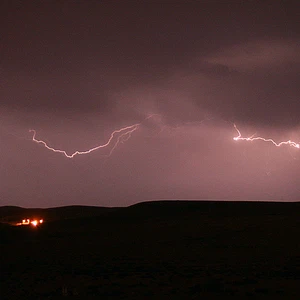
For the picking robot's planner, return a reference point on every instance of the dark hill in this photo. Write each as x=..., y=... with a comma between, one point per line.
x=169, y=207
x=152, y=209
x=16, y=214
x=163, y=249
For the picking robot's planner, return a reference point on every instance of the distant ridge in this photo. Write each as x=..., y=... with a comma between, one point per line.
x=152, y=209
x=15, y=213
x=218, y=207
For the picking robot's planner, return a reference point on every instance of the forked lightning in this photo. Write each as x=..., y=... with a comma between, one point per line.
x=252, y=138
x=117, y=136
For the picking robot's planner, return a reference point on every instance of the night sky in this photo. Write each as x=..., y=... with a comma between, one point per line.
x=75, y=71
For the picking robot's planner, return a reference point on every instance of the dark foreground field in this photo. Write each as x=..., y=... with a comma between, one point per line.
x=170, y=250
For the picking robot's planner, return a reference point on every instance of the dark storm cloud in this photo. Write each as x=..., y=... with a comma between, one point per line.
x=264, y=89
x=258, y=55
x=71, y=56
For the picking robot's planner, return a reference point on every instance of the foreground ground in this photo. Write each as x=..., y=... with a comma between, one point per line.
x=171, y=250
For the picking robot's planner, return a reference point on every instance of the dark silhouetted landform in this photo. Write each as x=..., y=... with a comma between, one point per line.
x=159, y=249
x=151, y=209
x=11, y=214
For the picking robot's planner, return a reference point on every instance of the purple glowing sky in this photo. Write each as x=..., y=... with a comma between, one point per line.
x=77, y=71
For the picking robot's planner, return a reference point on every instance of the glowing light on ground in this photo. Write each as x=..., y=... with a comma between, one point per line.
x=26, y=222
x=34, y=223
x=269, y=140
x=121, y=135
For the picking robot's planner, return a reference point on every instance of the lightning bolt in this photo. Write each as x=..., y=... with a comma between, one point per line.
x=123, y=134
x=269, y=140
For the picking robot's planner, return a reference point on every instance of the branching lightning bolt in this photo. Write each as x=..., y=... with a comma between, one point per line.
x=252, y=138
x=124, y=135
